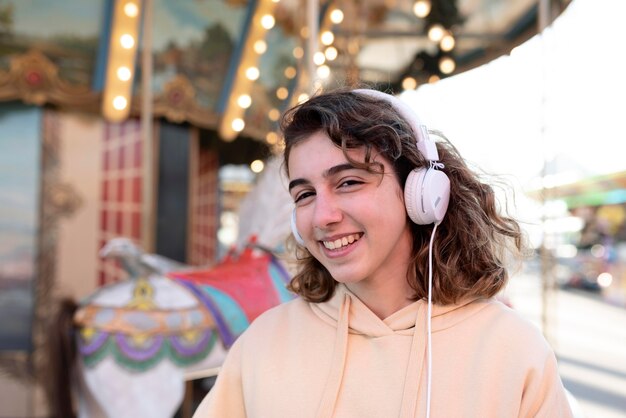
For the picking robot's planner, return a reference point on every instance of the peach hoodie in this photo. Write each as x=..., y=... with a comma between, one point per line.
x=338, y=359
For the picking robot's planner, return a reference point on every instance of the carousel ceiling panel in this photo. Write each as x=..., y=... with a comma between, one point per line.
x=48, y=50
x=197, y=40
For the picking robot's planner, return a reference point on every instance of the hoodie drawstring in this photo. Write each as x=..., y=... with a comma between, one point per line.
x=413, y=375
x=333, y=382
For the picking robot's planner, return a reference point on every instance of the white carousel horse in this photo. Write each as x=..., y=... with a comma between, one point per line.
x=137, y=339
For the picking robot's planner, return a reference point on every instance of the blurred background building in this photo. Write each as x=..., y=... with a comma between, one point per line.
x=153, y=120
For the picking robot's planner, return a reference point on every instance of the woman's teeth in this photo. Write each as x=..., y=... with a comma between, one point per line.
x=341, y=242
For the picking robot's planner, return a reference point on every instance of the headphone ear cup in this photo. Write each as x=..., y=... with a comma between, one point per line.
x=294, y=229
x=426, y=195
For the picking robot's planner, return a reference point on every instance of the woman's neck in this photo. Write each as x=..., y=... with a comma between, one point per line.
x=384, y=298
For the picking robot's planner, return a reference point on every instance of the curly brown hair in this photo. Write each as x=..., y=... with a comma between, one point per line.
x=473, y=239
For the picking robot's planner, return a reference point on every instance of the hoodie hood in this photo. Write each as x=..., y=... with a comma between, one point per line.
x=361, y=320
x=345, y=312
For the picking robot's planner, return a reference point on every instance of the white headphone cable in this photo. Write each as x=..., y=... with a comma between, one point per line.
x=428, y=325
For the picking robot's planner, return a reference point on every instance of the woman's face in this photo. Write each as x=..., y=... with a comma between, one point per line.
x=352, y=221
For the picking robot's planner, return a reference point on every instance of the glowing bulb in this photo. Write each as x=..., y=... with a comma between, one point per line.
x=131, y=9
x=282, y=93
x=331, y=53
x=433, y=78
x=421, y=8
x=274, y=114
x=252, y=73
x=327, y=37
x=238, y=124
x=257, y=166
x=267, y=21
x=323, y=71
x=298, y=52
x=244, y=101
x=120, y=102
x=260, y=46
x=447, y=43
x=435, y=33
x=319, y=58
x=123, y=73
x=447, y=65
x=605, y=279
x=336, y=16
x=271, y=138
x=127, y=41
x=409, y=83
x=290, y=72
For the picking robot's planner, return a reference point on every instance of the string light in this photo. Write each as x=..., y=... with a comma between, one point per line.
x=290, y=72
x=257, y=166
x=323, y=71
x=252, y=73
x=268, y=22
x=124, y=73
x=127, y=41
x=421, y=8
x=331, y=53
x=436, y=32
x=327, y=37
x=271, y=138
x=244, y=101
x=131, y=9
x=447, y=65
x=298, y=52
x=260, y=46
x=319, y=58
x=409, y=83
x=274, y=114
x=447, y=42
x=120, y=102
x=282, y=93
x=238, y=124
x=336, y=16
x=117, y=90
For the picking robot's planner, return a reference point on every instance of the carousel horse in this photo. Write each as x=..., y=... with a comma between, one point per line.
x=136, y=340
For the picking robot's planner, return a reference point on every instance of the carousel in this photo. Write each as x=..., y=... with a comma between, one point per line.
x=141, y=226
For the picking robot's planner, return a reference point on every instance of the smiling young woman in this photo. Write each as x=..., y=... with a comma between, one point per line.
x=401, y=250
x=352, y=237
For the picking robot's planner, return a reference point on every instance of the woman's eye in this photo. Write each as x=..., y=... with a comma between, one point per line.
x=302, y=196
x=348, y=183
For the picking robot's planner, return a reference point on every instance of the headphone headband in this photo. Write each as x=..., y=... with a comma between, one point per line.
x=425, y=145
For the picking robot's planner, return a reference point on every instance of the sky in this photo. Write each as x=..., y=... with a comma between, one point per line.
x=560, y=94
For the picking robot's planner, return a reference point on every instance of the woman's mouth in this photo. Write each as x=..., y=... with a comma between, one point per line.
x=341, y=242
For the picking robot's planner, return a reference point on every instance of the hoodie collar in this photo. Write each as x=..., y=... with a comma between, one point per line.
x=361, y=320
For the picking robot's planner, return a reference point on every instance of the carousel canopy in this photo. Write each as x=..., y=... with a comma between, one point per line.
x=233, y=65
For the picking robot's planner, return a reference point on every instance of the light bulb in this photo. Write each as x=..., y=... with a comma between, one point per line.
x=421, y=8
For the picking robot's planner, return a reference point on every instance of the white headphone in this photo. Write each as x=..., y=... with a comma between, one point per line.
x=427, y=189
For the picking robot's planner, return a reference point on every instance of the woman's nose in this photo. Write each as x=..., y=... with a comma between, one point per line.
x=326, y=211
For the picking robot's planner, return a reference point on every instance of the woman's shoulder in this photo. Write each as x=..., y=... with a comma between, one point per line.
x=507, y=323
x=279, y=317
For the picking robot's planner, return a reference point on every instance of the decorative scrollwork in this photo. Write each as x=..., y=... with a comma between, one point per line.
x=34, y=78
x=178, y=104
